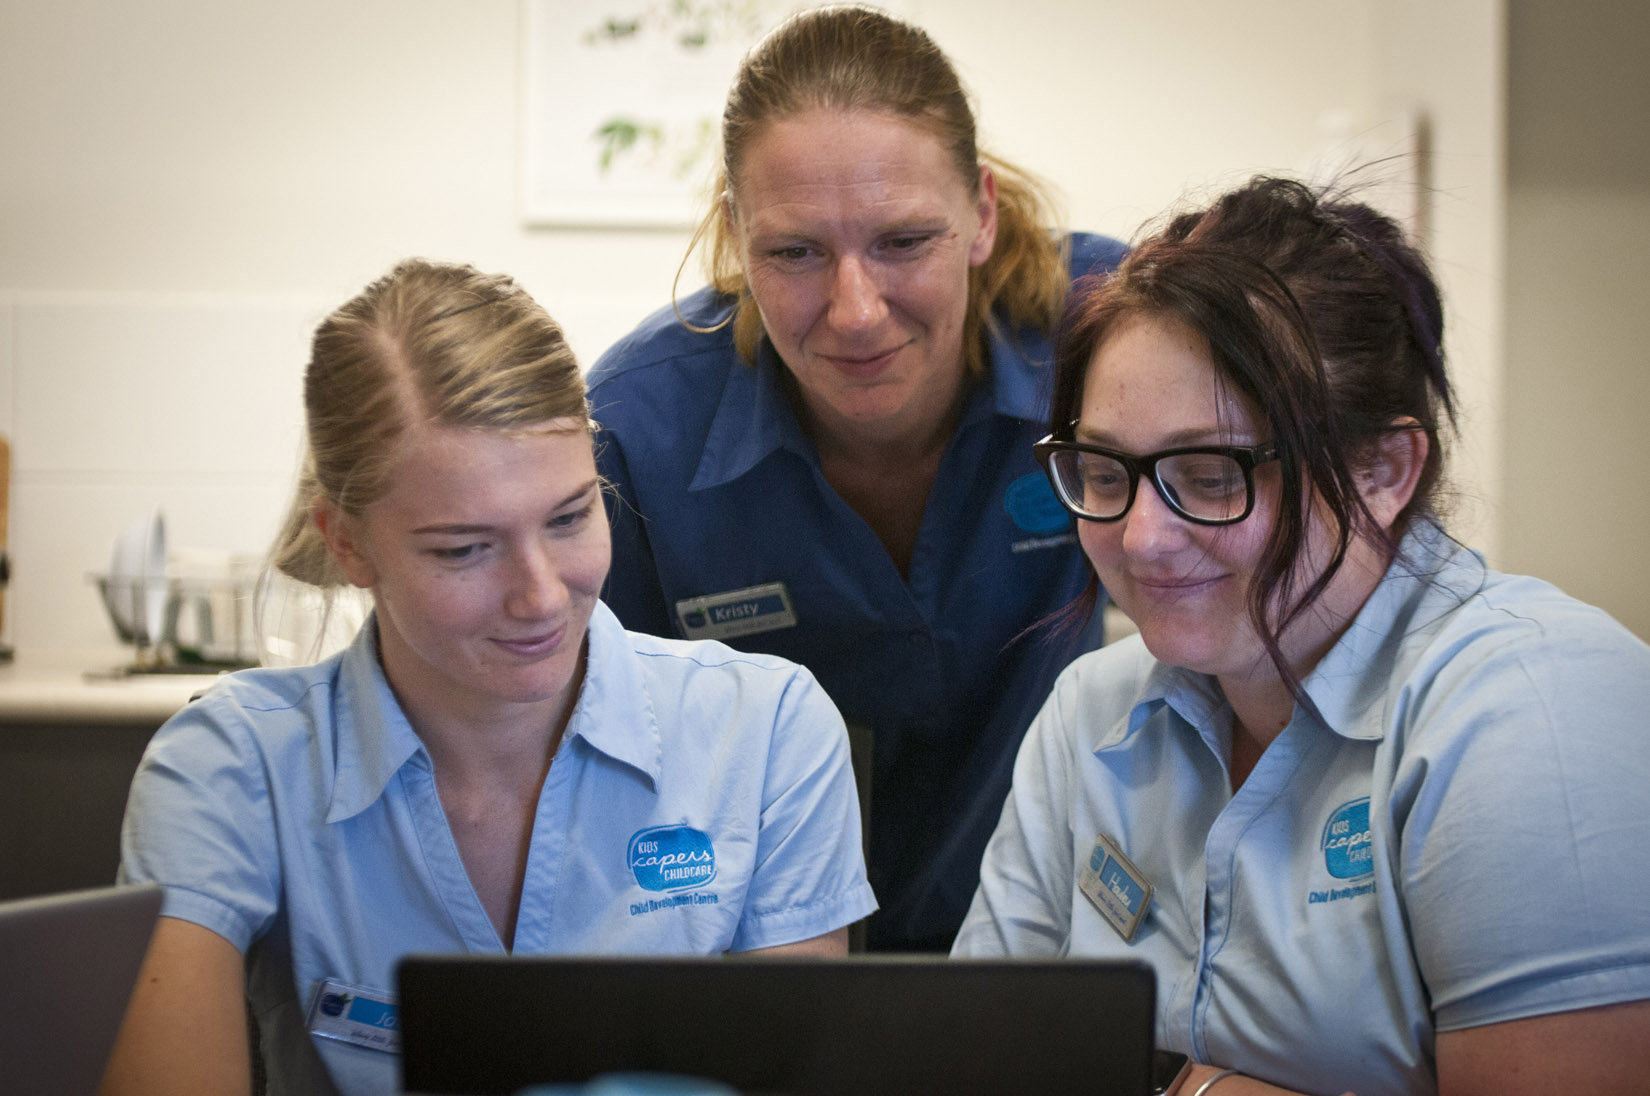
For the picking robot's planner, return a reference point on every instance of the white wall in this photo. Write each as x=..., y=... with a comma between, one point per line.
x=187, y=185
x=1449, y=60
x=1128, y=106
x=1578, y=347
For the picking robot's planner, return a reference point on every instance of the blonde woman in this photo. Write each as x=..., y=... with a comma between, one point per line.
x=827, y=454
x=494, y=764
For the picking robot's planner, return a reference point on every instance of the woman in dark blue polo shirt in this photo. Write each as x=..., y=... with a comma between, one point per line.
x=827, y=454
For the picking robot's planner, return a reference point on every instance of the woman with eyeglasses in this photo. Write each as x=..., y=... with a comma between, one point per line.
x=1374, y=812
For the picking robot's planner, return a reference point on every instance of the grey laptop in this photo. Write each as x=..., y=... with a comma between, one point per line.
x=67, y=966
x=866, y=1025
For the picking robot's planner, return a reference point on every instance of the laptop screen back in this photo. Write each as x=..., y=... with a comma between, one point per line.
x=867, y=1025
x=68, y=963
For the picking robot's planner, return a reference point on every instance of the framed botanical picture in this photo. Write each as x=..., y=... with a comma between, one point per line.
x=621, y=104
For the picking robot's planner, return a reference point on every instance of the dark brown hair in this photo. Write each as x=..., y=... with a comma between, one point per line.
x=1325, y=320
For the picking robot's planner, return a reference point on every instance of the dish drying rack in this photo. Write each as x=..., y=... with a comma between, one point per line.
x=206, y=624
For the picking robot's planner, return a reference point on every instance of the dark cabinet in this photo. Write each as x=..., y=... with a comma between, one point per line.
x=62, y=794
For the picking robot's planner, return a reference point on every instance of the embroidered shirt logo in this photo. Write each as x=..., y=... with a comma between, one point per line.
x=672, y=858
x=1030, y=501
x=1347, y=852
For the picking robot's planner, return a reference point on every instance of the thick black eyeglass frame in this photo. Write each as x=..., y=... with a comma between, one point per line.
x=1248, y=457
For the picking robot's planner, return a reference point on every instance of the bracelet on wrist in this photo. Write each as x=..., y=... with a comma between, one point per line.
x=1203, y=1089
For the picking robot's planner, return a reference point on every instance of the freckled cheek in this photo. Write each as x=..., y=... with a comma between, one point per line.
x=435, y=615
x=1238, y=548
x=790, y=305
x=934, y=293
x=588, y=582
x=1101, y=543
x=587, y=570
x=466, y=603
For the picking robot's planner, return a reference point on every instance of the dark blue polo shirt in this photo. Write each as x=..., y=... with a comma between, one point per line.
x=724, y=526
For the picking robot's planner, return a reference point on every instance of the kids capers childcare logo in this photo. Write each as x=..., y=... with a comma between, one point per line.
x=1031, y=504
x=672, y=858
x=1347, y=852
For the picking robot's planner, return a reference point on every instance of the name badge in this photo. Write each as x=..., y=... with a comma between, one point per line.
x=1117, y=888
x=764, y=608
x=351, y=1014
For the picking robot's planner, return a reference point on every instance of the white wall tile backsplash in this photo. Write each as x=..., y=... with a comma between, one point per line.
x=125, y=403
x=165, y=385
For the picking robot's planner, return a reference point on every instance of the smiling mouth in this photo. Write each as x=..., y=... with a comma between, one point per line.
x=547, y=643
x=858, y=365
x=1176, y=585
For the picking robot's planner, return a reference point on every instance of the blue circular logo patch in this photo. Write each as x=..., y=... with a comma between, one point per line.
x=1030, y=501
x=672, y=858
x=1347, y=851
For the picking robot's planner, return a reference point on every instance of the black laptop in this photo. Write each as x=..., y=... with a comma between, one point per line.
x=68, y=963
x=867, y=1025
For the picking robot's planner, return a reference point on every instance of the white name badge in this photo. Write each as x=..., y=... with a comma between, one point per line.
x=1117, y=888
x=350, y=1014
x=764, y=608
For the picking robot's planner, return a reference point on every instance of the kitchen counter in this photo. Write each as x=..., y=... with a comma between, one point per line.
x=88, y=687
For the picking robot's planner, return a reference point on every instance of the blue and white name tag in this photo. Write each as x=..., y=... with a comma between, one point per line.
x=351, y=1014
x=764, y=608
x=1117, y=888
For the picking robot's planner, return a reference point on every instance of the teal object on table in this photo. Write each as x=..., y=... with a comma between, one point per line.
x=635, y=1084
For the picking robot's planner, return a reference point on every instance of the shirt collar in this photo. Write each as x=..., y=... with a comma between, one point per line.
x=1352, y=683
x=1022, y=378
x=754, y=418
x=374, y=739
x=372, y=736
x=1193, y=696
x=615, y=713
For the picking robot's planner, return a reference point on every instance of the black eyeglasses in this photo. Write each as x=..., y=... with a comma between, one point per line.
x=1205, y=484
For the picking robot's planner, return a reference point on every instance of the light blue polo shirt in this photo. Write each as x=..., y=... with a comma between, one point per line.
x=723, y=522
x=701, y=801
x=1461, y=842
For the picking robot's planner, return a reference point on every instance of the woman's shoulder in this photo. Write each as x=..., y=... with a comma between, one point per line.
x=710, y=665
x=1521, y=618
x=1514, y=651
x=265, y=710
x=657, y=391
x=1125, y=656
x=703, y=696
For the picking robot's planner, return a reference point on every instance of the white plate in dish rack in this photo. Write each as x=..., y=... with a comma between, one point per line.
x=136, y=589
